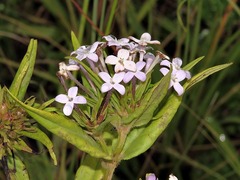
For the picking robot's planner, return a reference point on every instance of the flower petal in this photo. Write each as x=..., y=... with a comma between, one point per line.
x=111, y=60
x=118, y=67
x=123, y=53
x=106, y=87
x=72, y=92
x=164, y=70
x=120, y=88
x=93, y=57
x=105, y=76
x=130, y=65
x=140, y=65
x=128, y=77
x=67, y=109
x=61, y=98
x=165, y=63
x=141, y=76
x=177, y=62
x=118, y=77
x=79, y=100
x=178, y=88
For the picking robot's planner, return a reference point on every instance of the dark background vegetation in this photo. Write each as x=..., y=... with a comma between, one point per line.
x=190, y=147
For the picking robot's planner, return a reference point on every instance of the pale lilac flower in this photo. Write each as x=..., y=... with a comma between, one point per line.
x=70, y=99
x=121, y=62
x=87, y=52
x=151, y=176
x=138, y=73
x=144, y=40
x=63, y=68
x=176, y=77
x=112, y=82
x=176, y=65
x=113, y=41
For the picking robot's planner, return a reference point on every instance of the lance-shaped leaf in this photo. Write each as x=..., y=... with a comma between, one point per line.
x=204, y=74
x=192, y=63
x=141, y=139
x=40, y=136
x=22, y=78
x=65, y=128
x=75, y=41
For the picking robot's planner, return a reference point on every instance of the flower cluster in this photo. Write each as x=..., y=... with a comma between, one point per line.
x=131, y=61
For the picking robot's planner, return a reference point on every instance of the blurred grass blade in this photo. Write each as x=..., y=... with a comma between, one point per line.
x=23, y=76
x=224, y=145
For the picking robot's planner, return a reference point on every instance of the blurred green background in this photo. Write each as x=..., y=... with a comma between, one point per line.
x=203, y=140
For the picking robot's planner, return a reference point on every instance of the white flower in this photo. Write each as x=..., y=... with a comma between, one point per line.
x=121, y=62
x=144, y=40
x=176, y=65
x=138, y=73
x=70, y=99
x=176, y=77
x=113, y=41
x=63, y=68
x=172, y=177
x=112, y=82
x=87, y=52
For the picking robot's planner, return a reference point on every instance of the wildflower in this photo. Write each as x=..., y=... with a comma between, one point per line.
x=121, y=62
x=144, y=40
x=176, y=65
x=172, y=177
x=112, y=82
x=87, y=52
x=70, y=99
x=63, y=68
x=138, y=73
x=113, y=41
x=176, y=77
x=151, y=176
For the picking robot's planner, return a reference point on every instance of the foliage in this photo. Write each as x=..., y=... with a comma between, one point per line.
x=188, y=29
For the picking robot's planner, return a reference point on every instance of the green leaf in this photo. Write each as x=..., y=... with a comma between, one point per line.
x=66, y=129
x=143, y=114
x=204, y=74
x=192, y=63
x=90, y=168
x=22, y=78
x=75, y=41
x=141, y=139
x=38, y=135
x=17, y=169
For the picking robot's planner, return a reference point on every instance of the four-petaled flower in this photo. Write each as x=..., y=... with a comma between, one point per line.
x=177, y=75
x=112, y=82
x=70, y=99
x=63, y=68
x=113, y=41
x=151, y=176
x=121, y=62
x=138, y=73
x=176, y=65
x=144, y=40
x=87, y=52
